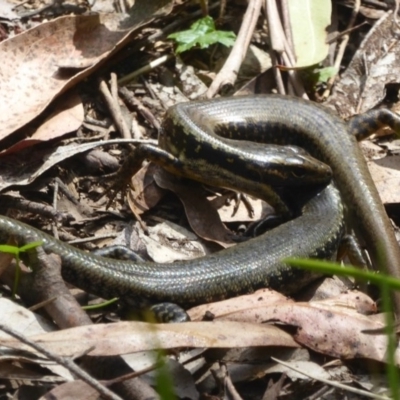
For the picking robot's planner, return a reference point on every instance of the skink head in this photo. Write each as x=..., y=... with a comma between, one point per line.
x=286, y=165
x=303, y=169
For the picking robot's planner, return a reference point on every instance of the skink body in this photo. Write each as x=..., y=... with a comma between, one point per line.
x=241, y=269
x=285, y=120
x=256, y=263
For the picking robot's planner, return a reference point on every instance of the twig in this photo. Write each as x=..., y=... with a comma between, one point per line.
x=332, y=383
x=342, y=48
x=281, y=45
x=8, y=201
x=228, y=74
x=115, y=111
x=66, y=362
x=55, y=204
x=147, y=68
x=144, y=111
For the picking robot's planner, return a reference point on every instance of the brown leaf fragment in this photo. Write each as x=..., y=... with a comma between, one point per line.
x=262, y=305
x=167, y=242
x=130, y=337
x=144, y=193
x=349, y=301
x=43, y=62
x=76, y=389
x=335, y=333
x=242, y=308
x=274, y=388
x=375, y=65
x=332, y=326
x=386, y=175
x=203, y=218
x=67, y=117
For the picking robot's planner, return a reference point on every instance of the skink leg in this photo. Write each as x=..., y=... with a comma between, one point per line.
x=350, y=247
x=134, y=162
x=169, y=312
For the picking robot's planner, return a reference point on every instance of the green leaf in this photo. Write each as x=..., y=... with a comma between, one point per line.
x=202, y=33
x=164, y=382
x=309, y=22
x=16, y=251
x=5, y=248
x=327, y=267
x=324, y=74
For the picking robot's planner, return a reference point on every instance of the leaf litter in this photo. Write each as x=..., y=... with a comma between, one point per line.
x=318, y=325
x=43, y=62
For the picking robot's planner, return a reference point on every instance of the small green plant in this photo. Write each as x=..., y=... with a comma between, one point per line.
x=164, y=382
x=16, y=251
x=322, y=75
x=202, y=34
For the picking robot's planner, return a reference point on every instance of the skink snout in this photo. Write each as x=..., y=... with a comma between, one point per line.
x=303, y=169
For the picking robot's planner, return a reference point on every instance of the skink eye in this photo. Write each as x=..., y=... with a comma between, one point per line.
x=299, y=174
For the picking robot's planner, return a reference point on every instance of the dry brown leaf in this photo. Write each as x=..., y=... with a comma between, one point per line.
x=144, y=193
x=43, y=62
x=386, y=175
x=261, y=305
x=242, y=304
x=76, y=390
x=332, y=326
x=349, y=301
x=336, y=330
x=130, y=337
x=203, y=218
x=167, y=242
x=67, y=117
x=336, y=334
x=374, y=66
x=260, y=210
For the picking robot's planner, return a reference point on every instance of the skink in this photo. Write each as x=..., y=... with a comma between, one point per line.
x=285, y=120
x=240, y=269
x=257, y=262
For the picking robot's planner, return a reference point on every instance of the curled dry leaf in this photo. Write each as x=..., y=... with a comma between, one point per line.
x=203, y=218
x=375, y=65
x=167, y=242
x=130, y=337
x=336, y=334
x=144, y=193
x=386, y=175
x=333, y=327
x=44, y=61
